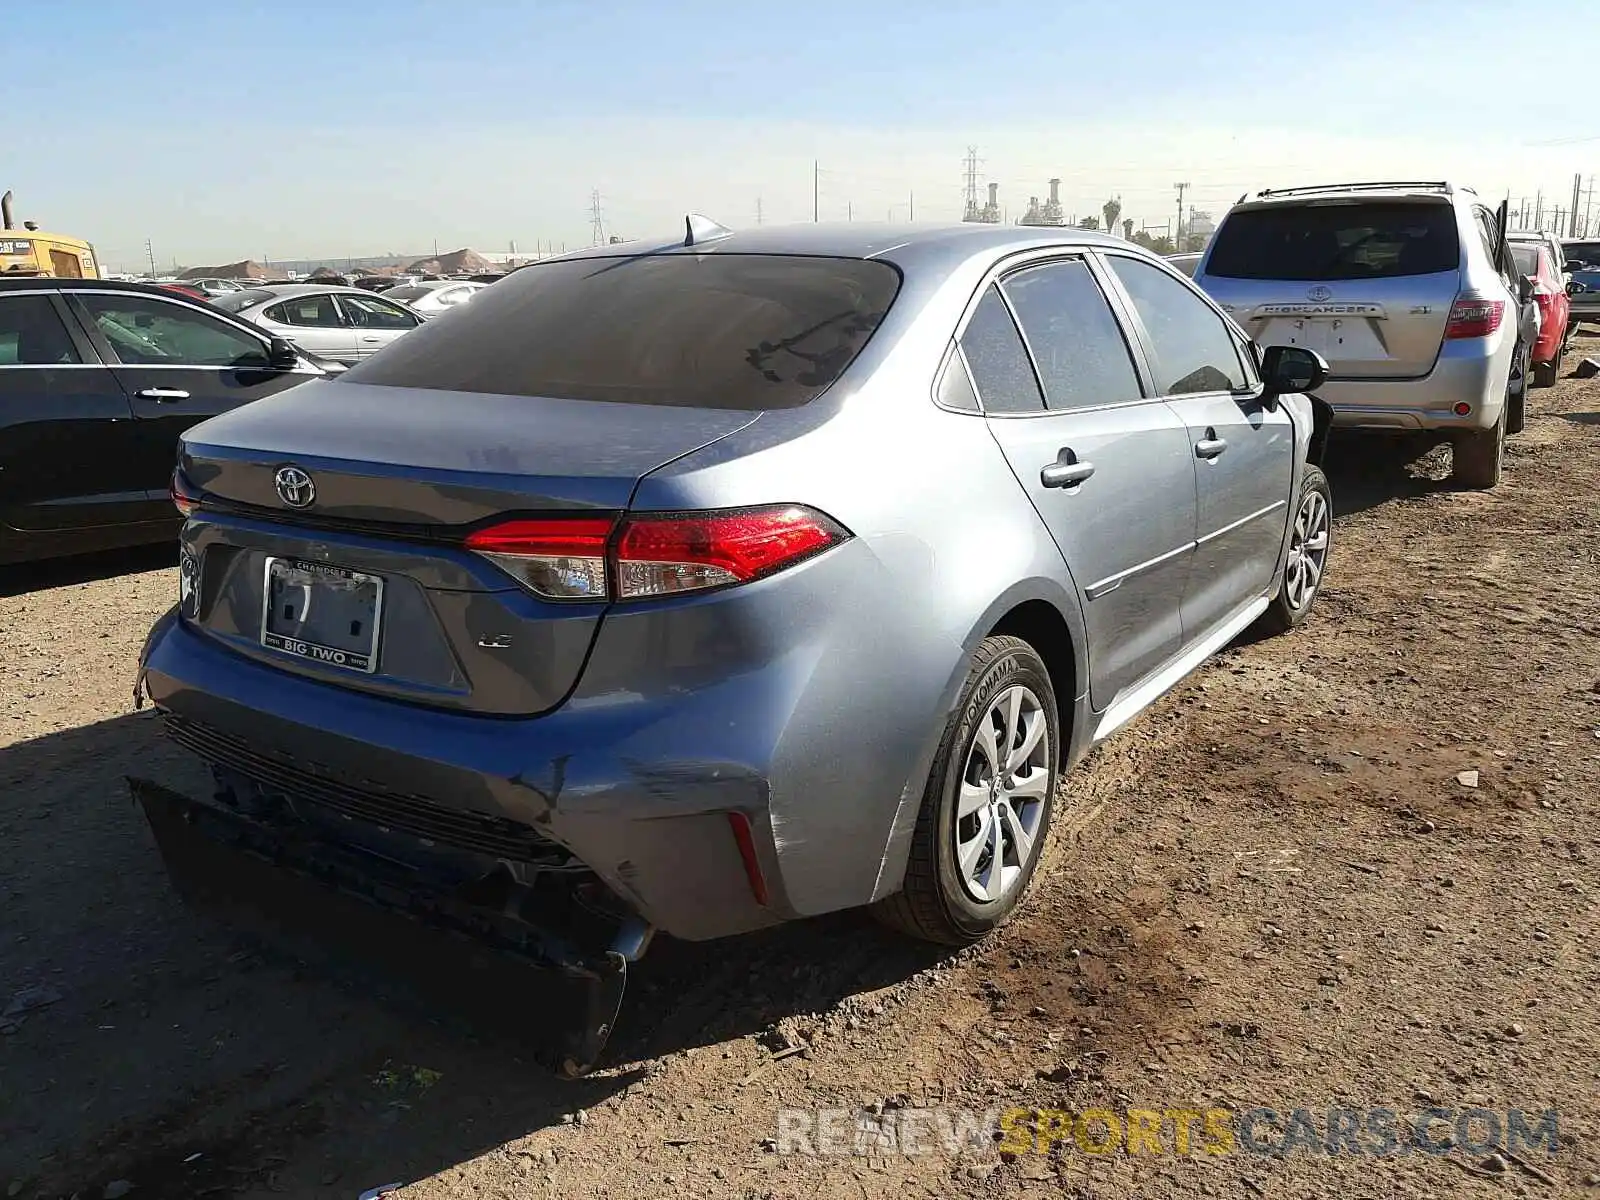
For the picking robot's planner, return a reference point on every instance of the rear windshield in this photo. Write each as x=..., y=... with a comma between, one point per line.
x=1336, y=241
x=410, y=292
x=730, y=331
x=1584, y=252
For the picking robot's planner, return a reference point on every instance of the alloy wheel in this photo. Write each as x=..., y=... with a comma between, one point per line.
x=1308, y=551
x=1004, y=788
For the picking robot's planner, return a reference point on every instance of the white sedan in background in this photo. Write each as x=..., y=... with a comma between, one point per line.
x=342, y=323
x=430, y=297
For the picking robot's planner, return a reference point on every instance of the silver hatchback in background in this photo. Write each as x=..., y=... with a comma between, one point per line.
x=344, y=324
x=1408, y=291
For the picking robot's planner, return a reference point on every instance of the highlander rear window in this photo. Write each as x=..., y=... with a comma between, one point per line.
x=1365, y=240
x=730, y=331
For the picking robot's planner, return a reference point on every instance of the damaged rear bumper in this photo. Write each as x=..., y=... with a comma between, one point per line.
x=290, y=881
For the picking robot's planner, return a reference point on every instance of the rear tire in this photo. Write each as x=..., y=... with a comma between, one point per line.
x=1310, y=543
x=1478, y=455
x=1516, y=406
x=968, y=871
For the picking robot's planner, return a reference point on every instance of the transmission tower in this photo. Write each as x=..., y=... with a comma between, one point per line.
x=973, y=211
x=597, y=223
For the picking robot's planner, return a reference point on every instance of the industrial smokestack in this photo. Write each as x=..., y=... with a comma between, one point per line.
x=5, y=211
x=1055, y=191
x=994, y=194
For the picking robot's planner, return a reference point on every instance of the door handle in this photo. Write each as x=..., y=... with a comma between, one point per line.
x=162, y=395
x=1066, y=471
x=1211, y=445
x=372, y=339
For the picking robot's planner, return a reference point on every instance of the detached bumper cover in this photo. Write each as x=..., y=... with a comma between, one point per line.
x=224, y=859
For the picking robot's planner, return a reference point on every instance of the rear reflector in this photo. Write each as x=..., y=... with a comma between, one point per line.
x=1474, y=318
x=745, y=839
x=637, y=557
x=184, y=497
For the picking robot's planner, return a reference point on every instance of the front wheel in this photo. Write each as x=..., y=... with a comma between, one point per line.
x=1309, y=543
x=987, y=806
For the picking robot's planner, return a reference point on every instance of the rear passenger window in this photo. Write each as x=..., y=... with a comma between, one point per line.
x=1000, y=368
x=1194, y=348
x=32, y=335
x=1076, y=341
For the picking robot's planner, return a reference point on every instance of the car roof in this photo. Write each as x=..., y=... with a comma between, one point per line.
x=935, y=248
x=1378, y=190
x=280, y=290
x=48, y=283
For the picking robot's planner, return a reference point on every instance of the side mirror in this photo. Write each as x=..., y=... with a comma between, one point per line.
x=282, y=356
x=1574, y=287
x=1288, y=369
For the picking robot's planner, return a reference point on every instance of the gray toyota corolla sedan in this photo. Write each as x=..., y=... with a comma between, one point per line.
x=731, y=580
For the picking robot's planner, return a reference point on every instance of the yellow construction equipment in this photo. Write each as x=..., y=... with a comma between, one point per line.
x=26, y=252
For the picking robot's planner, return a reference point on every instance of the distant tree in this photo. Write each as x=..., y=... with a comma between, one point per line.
x=1089, y=223
x=1141, y=238
x=1112, y=210
x=1127, y=228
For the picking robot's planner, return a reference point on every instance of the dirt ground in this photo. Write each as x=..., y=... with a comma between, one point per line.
x=1353, y=867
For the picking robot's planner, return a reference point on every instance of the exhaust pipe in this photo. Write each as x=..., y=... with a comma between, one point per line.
x=5, y=211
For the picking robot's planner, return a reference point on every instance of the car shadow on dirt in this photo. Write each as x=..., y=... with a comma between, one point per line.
x=1367, y=470
x=154, y=1033
x=1582, y=418
x=19, y=578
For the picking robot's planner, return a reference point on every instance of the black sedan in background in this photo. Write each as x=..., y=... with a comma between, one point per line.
x=97, y=380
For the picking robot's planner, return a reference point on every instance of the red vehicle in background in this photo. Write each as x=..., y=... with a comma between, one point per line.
x=184, y=289
x=1535, y=255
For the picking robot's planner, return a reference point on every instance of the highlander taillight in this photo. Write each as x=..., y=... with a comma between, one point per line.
x=1474, y=318
x=639, y=556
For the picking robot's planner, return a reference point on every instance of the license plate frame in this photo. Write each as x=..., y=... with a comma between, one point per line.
x=361, y=660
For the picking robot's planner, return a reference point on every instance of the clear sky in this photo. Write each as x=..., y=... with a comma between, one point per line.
x=301, y=128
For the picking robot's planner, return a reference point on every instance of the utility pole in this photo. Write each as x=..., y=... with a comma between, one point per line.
x=150, y=254
x=1588, y=198
x=1577, y=188
x=1538, y=209
x=911, y=206
x=850, y=210
x=971, y=213
x=1178, y=237
x=758, y=210
x=816, y=191
x=597, y=223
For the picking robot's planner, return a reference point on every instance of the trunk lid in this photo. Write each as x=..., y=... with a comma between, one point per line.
x=398, y=473
x=1368, y=284
x=415, y=457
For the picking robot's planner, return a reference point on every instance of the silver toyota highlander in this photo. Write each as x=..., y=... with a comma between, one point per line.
x=730, y=580
x=1408, y=291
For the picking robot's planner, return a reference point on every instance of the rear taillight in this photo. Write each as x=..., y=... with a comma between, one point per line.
x=184, y=496
x=559, y=558
x=637, y=557
x=1474, y=318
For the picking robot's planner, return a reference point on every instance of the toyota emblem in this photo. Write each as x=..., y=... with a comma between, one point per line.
x=1319, y=293
x=295, y=487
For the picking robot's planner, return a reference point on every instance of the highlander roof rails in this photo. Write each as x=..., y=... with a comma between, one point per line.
x=1376, y=185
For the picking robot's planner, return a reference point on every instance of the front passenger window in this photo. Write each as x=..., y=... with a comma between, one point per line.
x=147, y=332
x=1194, y=348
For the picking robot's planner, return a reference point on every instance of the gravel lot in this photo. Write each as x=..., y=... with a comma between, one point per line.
x=1354, y=867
